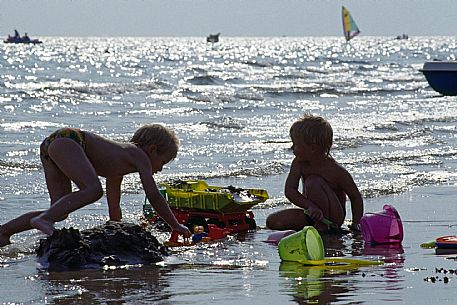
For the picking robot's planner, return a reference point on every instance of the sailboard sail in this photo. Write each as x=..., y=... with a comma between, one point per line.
x=350, y=28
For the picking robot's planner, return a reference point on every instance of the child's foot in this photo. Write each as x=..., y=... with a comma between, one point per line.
x=4, y=240
x=45, y=226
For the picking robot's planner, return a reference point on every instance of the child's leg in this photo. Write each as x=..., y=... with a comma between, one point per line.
x=19, y=224
x=61, y=186
x=70, y=164
x=320, y=193
x=288, y=219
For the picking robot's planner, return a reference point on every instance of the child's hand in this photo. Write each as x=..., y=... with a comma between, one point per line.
x=315, y=213
x=183, y=230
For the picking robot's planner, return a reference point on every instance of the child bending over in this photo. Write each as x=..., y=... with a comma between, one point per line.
x=325, y=182
x=71, y=154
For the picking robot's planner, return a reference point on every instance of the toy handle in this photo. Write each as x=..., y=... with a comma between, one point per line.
x=325, y=221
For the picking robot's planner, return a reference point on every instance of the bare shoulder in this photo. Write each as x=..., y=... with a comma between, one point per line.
x=136, y=154
x=339, y=167
x=342, y=176
x=296, y=163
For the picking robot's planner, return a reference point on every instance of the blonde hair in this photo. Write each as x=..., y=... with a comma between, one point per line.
x=155, y=134
x=313, y=130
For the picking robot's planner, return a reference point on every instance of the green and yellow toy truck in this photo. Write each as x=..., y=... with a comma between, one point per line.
x=195, y=203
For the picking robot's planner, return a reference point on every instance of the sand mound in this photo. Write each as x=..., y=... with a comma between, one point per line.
x=114, y=243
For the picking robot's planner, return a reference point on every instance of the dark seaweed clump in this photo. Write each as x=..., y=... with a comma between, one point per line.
x=113, y=243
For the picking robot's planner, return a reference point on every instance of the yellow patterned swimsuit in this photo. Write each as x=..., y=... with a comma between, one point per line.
x=73, y=133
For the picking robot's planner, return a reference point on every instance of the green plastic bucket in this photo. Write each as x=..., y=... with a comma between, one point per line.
x=305, y=247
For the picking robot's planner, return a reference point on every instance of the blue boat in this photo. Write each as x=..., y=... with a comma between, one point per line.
x=18, y=39
x=441, y=76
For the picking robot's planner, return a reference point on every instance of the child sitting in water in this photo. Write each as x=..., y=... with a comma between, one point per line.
x=325, y=182
x=74, y=155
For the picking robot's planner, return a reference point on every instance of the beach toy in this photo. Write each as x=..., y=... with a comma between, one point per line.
x=444, y=242
x=198, y=195
x=447, y=242
x=304, y=246
x=382, y=227
x=194, y=202
x=275, y=237
x=325, y=221
x=443, y=245
x=200, y=236
x=215, y=233
x=343, y=262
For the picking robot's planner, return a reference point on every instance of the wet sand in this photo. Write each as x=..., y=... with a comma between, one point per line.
x=247, y=270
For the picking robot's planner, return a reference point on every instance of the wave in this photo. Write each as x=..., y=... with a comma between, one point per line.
x=206, y=80
x=285, y=141
x=259, y=63
x=378, y=188
x=436, y=119
x=400, y=184
x=296, y=92
x=251, y=96
x=72, y=87
x=387, y=133
x=24, y=165
x=224, y=122
x=132, y=185
x=332, y=90
x=260, y=170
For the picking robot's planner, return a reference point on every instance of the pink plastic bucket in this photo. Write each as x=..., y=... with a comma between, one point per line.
x=382, y=227
x=275, y=237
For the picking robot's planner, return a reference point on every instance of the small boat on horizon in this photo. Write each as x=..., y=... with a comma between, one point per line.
x=402, y=36
x=441, y=76
x=21, y=39
x=213, y=37
x=350, y=28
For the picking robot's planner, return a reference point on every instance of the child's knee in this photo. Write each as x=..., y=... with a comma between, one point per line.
x=273, y=222
x=270, y=222
x=95, y=191
x=98, y=192
x=62, y=217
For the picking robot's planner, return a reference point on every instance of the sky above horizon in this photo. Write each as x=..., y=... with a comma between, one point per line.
x=196, y=18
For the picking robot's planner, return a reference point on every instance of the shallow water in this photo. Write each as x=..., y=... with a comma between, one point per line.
x=231, y=105
x=245, y=269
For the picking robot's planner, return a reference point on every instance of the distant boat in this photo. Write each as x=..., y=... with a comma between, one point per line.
x=441, y=76
x=18, y=39
x=213, y=37
x=350, y=28
x=402, y=36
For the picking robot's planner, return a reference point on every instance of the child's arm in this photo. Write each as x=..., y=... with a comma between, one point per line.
x=140, y=160
x=143, y=165
x=160, y=205
x=293, y=194
x=113, y=196
x=350, y=188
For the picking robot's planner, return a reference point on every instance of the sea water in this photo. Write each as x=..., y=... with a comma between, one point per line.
x=231, y=104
